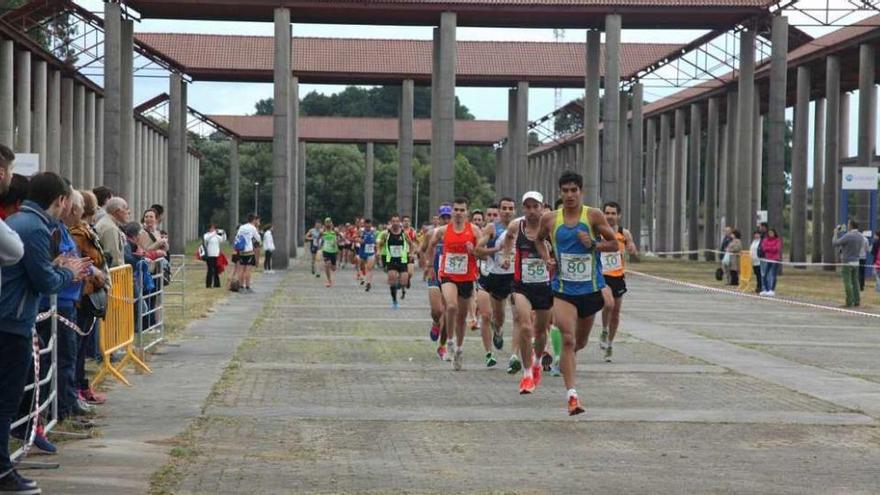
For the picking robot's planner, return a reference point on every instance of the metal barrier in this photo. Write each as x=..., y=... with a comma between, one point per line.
x=150, y=327
x=117, y=328
x=178, y=275
x=50, y=402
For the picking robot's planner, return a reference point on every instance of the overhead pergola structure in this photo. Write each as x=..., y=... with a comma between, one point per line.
x=680, y=201
x=49, y=107
x=445, y=16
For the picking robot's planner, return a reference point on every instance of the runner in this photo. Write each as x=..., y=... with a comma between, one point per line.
x=575, y=232
x=613, y=269
x=458, y=271
x=531, y=288
x=367, y=254
x=435, y=296
x=395, y=248
x=329, y=250
x=497, y=283
x=313, y=237
x=414, y=247
x=473, y=320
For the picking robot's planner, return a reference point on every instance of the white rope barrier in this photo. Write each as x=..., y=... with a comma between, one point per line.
x=765, y=260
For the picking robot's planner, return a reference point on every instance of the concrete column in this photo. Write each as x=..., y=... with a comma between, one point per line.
x=680, y=167
x=610, y=129
x=293, y=117
x=818, y=239
x=832, y=155
x=7, y=92
x=79, y=135
x=723, y=175
x=693, y=209
x=745, y=128
x=590, y=166
x=23, y=101
x=175, y=182
x=637, y=165
x=650, y=179
x=149, y=165
x=434, y=181
x=522, y=138
x=445, y=117
x=234, y=184
x=663, y=178
x=99, y=142
x=89, y=137
x=511, y=146
x=67, y=126
x=799, y=165
x=281, y=208
x=368, y=181
x=622, y=161
x=139, y=193
x=731, y=161
x=776, y=180
x=499, y=171
x=711, y=182
x=301, y=182
x=757, y=159
x=112, y=160
x=867, y=120
x=126, y=114
x=39, y=142
x=405, y=149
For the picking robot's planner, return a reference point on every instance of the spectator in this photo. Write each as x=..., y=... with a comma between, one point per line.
x=109, y=233
x=212, y=240
x=863, y=261
x=102, y=194
x=93, y=303
x=726, y=237
x=14, y=194
x=734, y=247
x=850, y=244
x=268, y=249
x=150, y=239
x=771, y=246
x=160, y=213
x=37, y=273
x=245, y=240
x=756, y=261
x=132, y=251
x=11, y=248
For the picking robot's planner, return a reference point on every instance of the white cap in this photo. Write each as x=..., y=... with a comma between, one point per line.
x=533, y=195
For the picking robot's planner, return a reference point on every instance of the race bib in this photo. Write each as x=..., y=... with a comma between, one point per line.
x=455, y=264
x=534, y=271
x=369, y=248
x=500, y=258
x=576, y=267
x=396, y=251
x=611, y=262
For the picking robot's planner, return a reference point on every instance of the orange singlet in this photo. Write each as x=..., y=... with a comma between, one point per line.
x=456, y=264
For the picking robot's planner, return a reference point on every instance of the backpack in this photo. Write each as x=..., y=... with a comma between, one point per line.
x=240, y=242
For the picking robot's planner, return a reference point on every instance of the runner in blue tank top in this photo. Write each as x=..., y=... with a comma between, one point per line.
x=367, y=254
x=578, y=234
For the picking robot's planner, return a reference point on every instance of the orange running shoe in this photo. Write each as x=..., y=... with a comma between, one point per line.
x=574, y=406
x=526, y=385
x=536, y=374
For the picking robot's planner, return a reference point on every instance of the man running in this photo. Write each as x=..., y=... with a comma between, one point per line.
x=414, y=247
x=478, y=219
x=613, y=270
x=458, y=271
x=578, y=233
x=497, y=283
x=395, y=248
x=431, y=266
x=531, y=287
x=329, y=250
x=367, y=254
x=313, y=237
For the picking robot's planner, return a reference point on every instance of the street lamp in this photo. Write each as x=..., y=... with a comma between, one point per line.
x=256, y=198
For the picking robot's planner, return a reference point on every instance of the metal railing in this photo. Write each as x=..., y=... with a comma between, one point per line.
x=150, y=326
x=178, y=279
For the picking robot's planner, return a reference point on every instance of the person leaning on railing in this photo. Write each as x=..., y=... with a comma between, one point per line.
x=93, y=303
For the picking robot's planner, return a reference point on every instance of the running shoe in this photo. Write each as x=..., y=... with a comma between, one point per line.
x=574, y=406
x=441, y=352
x=474, y=324
x=554, y=368
x=490, y=360
x=546, y=361
x=608, y=353
x=603, y=340
x=368, y=287
x=13, y=482
x=89, y=395
x=42, y=443
x=497, y=336
x=362, y=281
x=317, y=275
x=526, y=385
x=394, y=305
x=513, y=365
x=434, y=333
x=536, y=374
x=456, y=360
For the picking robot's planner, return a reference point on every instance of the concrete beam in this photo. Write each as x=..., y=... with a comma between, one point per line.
x=742, y=152
x=7, y=93
x=39, y=140
x=799, y=165
x=590, y=167
x=611, y=116
x=369, y=171
x=445, y=117
x=832, y=155
x=23, y=101
x=776, y=180
x=693, y=173
x=710, y=223
x=405, y=149
x=112, y=97
x=281, y=168
x=650, y=180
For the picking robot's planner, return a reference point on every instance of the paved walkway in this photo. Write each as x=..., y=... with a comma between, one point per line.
x=331, y=391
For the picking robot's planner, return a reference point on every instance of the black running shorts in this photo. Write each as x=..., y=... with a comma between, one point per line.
x=540, y=296
x=587, y=304
x=330, y=258
x=247, y=260
x=617, y=286
x=397, y=265
x=465, y=289
x=498, y=286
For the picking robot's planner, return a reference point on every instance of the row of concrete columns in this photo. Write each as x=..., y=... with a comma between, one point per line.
x=190, y=216
x=150, y=169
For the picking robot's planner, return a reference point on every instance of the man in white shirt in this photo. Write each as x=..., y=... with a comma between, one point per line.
x=211, y=243
x=268, y=249
x=244, y=243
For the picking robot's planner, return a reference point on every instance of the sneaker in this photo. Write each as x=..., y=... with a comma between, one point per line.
x=608, y=352
x=474, y=324
x=43, y=445
x=497, y=336
x=772, y=293
x=368, y=287
x=536, y=374
x=554, y=370
x=574, y=406
x=441, y=352
x=81, y=408
x=513, y=365
x=317, y=275
x=14, y=483
x=91, y=397
x=456, y=361
x=603, y=340
x=490, y=360
x=394, y=305
x=546, y=361
x=526, y=385
x=434, y=333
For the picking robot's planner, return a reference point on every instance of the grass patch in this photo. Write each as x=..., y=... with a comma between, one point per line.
x=811, y=284
x=183, y=452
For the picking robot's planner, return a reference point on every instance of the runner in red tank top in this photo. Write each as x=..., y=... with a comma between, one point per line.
x=458, y=270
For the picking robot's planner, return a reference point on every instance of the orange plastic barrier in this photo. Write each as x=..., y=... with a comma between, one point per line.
x=745, y=270
x=117, y=328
